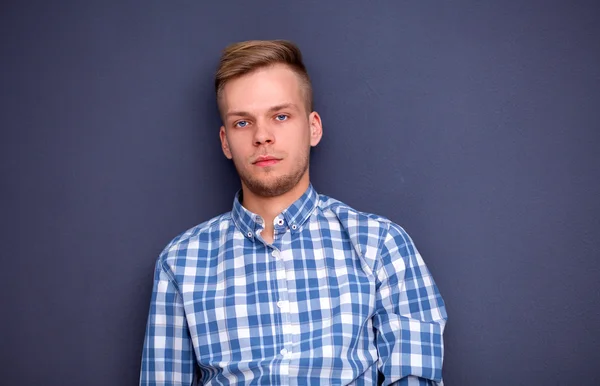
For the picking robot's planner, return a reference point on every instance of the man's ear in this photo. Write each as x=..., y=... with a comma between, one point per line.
x=225, y=143
x=316, y=128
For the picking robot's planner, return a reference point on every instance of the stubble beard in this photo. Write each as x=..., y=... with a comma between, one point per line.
x=273, y=187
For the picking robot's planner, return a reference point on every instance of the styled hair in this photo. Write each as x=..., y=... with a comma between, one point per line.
x=242, y=58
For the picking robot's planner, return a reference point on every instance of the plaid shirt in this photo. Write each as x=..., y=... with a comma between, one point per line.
x=338, y=296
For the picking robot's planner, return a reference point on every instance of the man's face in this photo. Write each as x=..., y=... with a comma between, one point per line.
x=267, y=130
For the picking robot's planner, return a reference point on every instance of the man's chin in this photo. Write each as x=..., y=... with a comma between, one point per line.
x=270, y=187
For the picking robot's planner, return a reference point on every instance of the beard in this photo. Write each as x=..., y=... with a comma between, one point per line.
x=271, y=186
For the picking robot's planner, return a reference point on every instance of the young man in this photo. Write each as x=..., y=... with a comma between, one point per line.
x=290, y=287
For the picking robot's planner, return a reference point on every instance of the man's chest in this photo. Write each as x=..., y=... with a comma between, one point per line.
x=246, y=299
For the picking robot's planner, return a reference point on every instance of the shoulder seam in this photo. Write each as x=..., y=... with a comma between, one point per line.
x=194, y=231
x=338, y=204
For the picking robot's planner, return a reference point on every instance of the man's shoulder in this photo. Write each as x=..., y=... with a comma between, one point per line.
x=203, y=231
x=363, y=223
x=366, y=231
x=345, y=212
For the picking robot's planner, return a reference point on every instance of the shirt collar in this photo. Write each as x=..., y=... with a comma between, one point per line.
x=294, y=216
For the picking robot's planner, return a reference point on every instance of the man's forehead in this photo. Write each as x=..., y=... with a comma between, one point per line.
x=262, y=89
x=261, y=96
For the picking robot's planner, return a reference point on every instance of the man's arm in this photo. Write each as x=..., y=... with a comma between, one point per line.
x=168, y=355
x=410, y=316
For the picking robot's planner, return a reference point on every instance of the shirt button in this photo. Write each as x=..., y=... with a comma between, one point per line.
x=294, y=226
x=275, y=254
x=249, y=234
x=284, y=351
x=284, y=305
x=280, y=222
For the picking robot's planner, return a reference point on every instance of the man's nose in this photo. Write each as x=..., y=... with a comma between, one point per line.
x=263, y=134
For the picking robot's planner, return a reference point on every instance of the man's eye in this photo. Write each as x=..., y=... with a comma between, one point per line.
x=281, y=117
x=241, y=124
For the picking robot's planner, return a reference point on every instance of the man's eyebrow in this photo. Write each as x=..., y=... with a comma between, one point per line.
x=237, y=114
x=282, y=107
x=271, y=110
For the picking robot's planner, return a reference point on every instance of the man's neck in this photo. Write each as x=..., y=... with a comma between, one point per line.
x=269, y=207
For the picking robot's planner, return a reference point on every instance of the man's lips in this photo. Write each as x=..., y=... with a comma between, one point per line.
x=266, y=161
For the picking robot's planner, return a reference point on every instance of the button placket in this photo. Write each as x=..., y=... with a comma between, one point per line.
x=284, y=306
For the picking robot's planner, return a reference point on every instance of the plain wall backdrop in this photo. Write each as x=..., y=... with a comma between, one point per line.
x=475, y=125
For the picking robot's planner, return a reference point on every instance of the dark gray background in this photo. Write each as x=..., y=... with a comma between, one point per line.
x=475, y=125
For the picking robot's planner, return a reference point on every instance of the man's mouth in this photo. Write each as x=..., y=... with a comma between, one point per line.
x=266, y=160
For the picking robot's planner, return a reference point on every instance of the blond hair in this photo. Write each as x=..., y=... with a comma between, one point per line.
x=245, y=57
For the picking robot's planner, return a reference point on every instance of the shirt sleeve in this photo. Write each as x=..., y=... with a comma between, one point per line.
x=410, y=315
x=168, y=356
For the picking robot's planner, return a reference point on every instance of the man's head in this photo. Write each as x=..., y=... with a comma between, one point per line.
x=265, y=99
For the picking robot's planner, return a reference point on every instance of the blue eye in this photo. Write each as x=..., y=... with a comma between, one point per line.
x=241, y=124
x=281, y=117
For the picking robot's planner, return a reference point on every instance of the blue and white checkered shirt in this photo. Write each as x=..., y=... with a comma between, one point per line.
x=337, y=297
